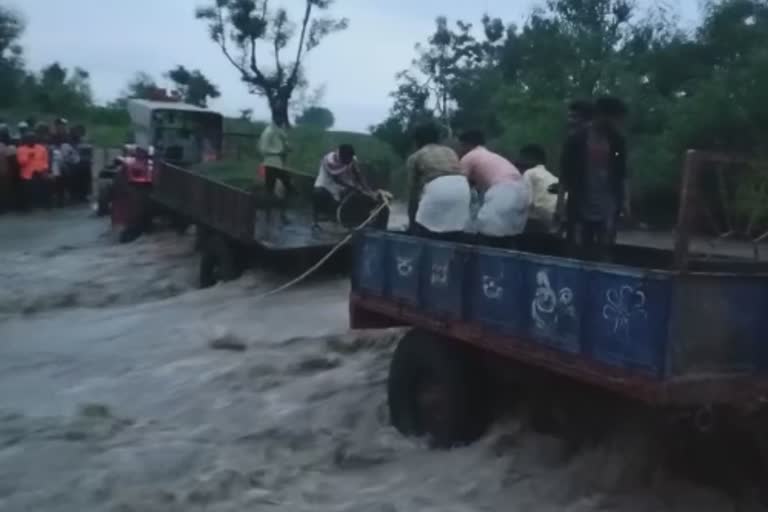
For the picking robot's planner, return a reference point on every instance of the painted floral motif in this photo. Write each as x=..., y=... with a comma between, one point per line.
x=404, y=266
x=439, y=274
x=624, y=306
x=552, y=311
x=491, y=287
x=369, y=260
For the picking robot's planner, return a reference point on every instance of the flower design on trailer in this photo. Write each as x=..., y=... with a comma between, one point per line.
x=492, y=288
x=404, y=266
x=439, y=274
x=552, y=310
x=369, y=260
x=623, y=305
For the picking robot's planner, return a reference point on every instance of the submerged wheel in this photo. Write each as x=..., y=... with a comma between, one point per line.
x=436, y=389
x=220, y=260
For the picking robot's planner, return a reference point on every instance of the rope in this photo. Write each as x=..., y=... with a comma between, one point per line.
x=334, y=250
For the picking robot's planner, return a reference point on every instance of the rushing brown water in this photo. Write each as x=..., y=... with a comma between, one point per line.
x=112, y=398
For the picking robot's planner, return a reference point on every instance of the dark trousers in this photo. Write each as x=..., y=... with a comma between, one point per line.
x=272, y=175
x=590, y=239
x=36, y=192
x=323, y=204
x=59, y=192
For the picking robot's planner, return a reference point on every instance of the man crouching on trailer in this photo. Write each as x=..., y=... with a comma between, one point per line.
x=439, y=196
x=505, y=195
x=338, y=176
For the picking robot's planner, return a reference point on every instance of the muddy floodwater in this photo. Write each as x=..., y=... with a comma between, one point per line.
x=113, y=397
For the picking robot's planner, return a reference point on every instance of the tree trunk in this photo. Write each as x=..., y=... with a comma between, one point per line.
x=278, y=105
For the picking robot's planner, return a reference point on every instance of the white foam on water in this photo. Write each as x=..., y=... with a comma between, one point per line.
x=296, y=422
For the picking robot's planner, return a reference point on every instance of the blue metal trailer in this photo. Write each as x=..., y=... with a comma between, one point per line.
x=680, y=337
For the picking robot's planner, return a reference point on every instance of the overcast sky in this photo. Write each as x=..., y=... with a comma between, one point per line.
x=113, y=39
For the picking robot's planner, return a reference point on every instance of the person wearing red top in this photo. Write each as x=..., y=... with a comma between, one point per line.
x=34, y=168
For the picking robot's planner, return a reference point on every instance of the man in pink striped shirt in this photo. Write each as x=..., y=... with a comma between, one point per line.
x=505, y=194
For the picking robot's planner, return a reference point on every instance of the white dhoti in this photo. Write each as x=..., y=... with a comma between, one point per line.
x=444, y=204
x=504, y=211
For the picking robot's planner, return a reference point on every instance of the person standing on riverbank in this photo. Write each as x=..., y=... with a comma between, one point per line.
x=34, y=168
x=6, y=177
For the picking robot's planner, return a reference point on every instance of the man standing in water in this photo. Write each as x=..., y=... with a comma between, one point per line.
x=594, y=174
x=439, y=195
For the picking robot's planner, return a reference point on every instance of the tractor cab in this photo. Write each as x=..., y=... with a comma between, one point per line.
x=164, y=132
x=173, y=132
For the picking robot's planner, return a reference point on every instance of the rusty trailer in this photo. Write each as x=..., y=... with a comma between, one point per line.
x=236, y=227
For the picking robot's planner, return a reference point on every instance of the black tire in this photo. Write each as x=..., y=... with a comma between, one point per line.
x=425, y=361
x=220, y=261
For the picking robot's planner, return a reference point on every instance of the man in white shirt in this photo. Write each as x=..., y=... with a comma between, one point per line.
x=338, y=175
x=543, y=186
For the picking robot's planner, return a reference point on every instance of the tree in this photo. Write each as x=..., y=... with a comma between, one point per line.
x=57, y=91
x=246, y=30
x=192, y=86
x=246, y=114
x=11, y=28
x=318, y=117
x=11, y=61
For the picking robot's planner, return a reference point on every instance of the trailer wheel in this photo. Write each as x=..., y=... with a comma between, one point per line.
x=436, y=389
x=219, y=261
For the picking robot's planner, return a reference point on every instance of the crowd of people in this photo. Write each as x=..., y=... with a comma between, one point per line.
x=43, y=166
x=471, y=192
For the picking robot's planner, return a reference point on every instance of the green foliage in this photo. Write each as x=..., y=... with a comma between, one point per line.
x=705, y=89
x=377, y=159
x=316, y=117
x=11, y=28
x=193, y=87
x=244, y=28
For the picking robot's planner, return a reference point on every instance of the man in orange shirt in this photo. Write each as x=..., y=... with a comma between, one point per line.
x=34, y=170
